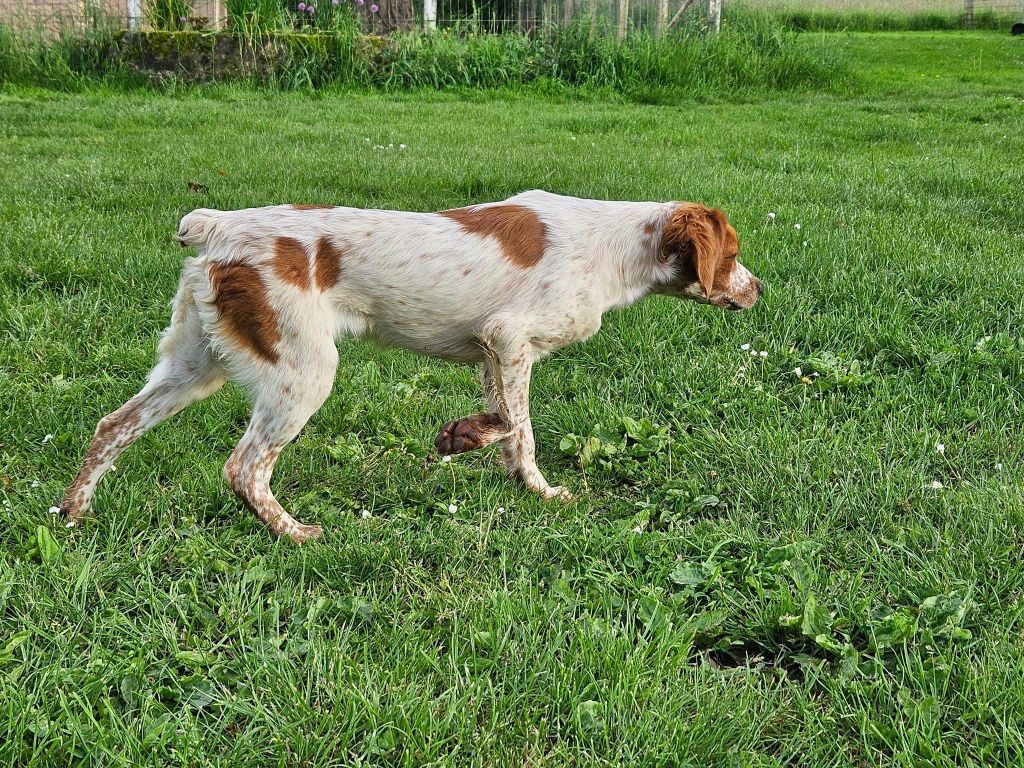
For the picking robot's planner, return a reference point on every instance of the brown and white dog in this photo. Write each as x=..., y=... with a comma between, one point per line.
x=501, y=284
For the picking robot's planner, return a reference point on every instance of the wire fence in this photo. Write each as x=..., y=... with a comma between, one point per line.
x=524, y=16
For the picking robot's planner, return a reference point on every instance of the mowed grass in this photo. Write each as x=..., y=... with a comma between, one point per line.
x=772, y=569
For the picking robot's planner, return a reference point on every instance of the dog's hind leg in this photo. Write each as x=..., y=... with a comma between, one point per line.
x=284, y=400
x=186, y=371
x=481, y=429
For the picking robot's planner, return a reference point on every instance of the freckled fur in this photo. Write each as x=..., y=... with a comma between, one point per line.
x=499, y=284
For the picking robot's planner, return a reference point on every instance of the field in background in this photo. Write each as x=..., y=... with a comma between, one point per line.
x=763, y=566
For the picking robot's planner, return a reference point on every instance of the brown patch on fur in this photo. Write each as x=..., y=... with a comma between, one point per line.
x=706, y=234
x=520, y=232
x=470, y=433
x=245, y=311
x=291, y=263
x=328, y=264
x=328, y=268
x=300, y=207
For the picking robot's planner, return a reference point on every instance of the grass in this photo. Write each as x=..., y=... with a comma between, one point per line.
x=885, y=15
x=753, y=52
x=797, y=594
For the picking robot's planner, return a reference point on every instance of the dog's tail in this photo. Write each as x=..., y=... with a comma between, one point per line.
x=198, y=228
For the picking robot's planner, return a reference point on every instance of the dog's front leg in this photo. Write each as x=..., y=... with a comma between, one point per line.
x=506, y=380
x=507, y=385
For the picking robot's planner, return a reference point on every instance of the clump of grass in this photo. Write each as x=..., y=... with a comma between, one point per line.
x=255, y=17
x=168, y=14
x=69, y=61
x=752, y=51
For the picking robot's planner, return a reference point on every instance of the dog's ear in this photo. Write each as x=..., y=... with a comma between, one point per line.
x=693, y=231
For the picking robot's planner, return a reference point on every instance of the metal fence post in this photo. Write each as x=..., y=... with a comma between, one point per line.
x=429, y=14
x=134, y=9
x=968, y=14
x=714, y=15
x=623, y=18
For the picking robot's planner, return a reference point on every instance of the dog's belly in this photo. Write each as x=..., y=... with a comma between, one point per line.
x=449, y=343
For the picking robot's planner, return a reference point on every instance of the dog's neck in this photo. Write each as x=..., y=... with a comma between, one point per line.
x=627, y=247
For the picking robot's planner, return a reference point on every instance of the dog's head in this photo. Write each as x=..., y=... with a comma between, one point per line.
x=698, y=250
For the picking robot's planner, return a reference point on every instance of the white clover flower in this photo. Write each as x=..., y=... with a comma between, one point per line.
x=445, y=459
x=940, y=448
x=47, y=439
x=638, y=529
x=365, y=514
x=798, y=371
x=805, y=243
x=54, y=510
x=35, y=483
x=113, y=468
x=744, y=347
x=763, y=353
x=999, y=467
x=402, y=146
x=771, y=216
x=796, y=227
x=753, y=353
x=936, y=485
x=501, y=510
x=69, y=524
x=452, y=509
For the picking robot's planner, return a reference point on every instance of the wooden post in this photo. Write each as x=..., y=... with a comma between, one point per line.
x=429, y=14
x=567, y=12
x=662, y=20
x=968, y=14
x=714, y=15
x=623, y=19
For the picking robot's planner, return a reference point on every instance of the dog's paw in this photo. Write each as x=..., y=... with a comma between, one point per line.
x=74, y=513
x=300, y=534
x=558, y=492
x=469, y=433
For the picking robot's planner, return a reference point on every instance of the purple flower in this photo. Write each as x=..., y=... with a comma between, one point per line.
x=360, y=1
x=311, y=9
x=182, y=19
x=301, y=6
x=374, y=8
x=334, y=2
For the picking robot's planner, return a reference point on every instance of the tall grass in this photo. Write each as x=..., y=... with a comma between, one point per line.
x=168, y=14
x=828, y=20
x=752, y=51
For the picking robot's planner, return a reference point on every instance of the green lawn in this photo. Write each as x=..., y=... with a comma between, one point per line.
x=762, y=573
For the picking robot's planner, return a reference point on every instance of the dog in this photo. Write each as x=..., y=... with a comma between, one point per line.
x=503, y=284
